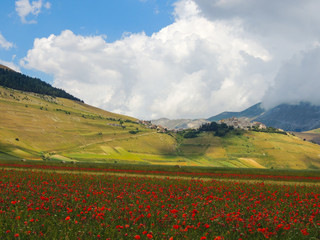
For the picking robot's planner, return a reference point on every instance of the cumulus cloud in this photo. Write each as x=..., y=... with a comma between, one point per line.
x=217, y=55
x=186, y=9
x=4, y=43
x=25, y=8
x=191, y=68
x=285, y=29
x=297, y=81
x=269, y=19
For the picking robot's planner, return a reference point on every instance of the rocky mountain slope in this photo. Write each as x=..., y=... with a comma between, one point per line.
x=179, y=123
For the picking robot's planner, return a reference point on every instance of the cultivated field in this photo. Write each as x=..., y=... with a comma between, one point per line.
x=39, y=127
x=59, y=202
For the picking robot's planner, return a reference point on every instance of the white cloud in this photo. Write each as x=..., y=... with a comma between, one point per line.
x=184, y=70
x=298, y=80
x=186, y=9
x=218, y=55
x=25, y=8
x=4, y=43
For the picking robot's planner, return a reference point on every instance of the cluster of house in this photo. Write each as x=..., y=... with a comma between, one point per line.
x=242, y=123
x=159, y=128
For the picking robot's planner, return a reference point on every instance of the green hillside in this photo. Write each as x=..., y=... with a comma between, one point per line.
x=311, y=136
x=40, y=127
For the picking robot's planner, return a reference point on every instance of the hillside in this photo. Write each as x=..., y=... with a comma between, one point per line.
x=300, y=117
x=35, y=126
x=18, y=81
x=5, y=68
x=311, y=136
x=41, y=127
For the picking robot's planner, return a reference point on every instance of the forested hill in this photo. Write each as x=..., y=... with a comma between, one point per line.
x=18, y=81
x=5, y=67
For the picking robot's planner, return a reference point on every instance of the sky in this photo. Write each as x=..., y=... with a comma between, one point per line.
x=168, y=58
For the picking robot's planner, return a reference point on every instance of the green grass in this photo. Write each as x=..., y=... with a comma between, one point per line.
x=168, y=168
x=6, y=156
x=31, y=127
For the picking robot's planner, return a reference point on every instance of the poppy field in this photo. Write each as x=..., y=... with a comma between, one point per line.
x=53, y=205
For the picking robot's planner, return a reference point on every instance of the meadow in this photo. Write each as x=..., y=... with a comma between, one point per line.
x=52, y=202
x=40, y=127
x=72, y=171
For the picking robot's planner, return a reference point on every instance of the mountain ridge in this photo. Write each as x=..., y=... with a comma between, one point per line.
x=251, y=113
x=6, y=68
x=292, y=117
x=12, y=79
x=289, y=117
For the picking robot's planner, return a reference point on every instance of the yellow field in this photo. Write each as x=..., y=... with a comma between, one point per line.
x=38, y=127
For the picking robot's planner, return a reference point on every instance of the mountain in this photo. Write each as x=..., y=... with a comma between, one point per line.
x=299, y=117
x=18, y=81
x=179, y=123
x=251, y=113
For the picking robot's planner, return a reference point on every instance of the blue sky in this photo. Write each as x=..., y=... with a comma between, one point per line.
x=168, y=58
x=112, y=18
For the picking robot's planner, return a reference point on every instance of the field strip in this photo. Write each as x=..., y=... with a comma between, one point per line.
x=108, y=140
x=280, y=182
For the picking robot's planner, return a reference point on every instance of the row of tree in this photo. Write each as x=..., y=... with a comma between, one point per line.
x=223, y=129
x=217, y=129
x=22, y=82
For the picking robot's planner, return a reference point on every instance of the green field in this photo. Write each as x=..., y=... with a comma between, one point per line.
x=38, y=127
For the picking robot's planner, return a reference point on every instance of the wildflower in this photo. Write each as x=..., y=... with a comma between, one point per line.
x=304, y=231
x=176, y=226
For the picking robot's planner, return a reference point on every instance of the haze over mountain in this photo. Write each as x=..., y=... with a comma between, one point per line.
x=251, y=113
x=300, y=117
x=289, y=117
